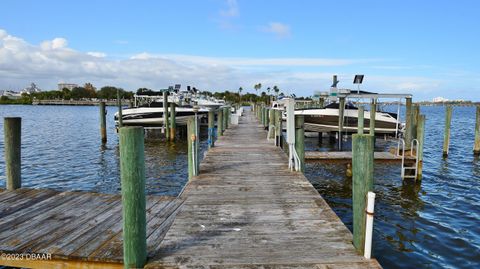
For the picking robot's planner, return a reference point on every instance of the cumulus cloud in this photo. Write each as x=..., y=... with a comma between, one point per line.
x=52, y=61
x=279, y=29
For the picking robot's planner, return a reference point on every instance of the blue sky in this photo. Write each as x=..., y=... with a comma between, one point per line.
x=428, y=48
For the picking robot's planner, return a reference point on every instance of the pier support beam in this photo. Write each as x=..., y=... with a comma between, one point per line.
x=132, y=173
x=300, y=140
x=415, y=115
x=361, y=114
x=373, y=110
x=421, y=139
x=103, y=122
x=12, y=130
x=173, y=122
x=211, y=129
x=220, y=122
x=446, y=135
x=278, y=128
x=341, y=110
x=165, y=114
x=408, y=121
x=362, y=183
x=476, y=146
x=119, y=105
x=271, y=125
x=192, y=140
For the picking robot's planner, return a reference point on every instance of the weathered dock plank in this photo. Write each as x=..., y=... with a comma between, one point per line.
x=247, y=210
x=78, y=229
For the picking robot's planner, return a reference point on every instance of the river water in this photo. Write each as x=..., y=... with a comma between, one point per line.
x=431, y=224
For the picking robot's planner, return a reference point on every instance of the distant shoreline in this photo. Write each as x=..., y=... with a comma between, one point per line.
x=67, y=102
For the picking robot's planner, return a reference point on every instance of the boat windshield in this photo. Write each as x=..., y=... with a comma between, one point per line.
x=337, y=105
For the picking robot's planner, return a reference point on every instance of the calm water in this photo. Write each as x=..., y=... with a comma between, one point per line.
x=435, y=224
x=61, y=149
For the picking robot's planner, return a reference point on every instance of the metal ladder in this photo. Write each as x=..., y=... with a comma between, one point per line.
x=413, y=145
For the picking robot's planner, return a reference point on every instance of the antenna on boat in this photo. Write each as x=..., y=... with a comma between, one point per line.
x=358, y=80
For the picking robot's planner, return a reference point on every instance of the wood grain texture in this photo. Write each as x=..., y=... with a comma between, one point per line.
x=246, y=209
x=79, y=229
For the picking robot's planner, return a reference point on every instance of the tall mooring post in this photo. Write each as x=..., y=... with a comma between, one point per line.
x=476, y=145
x=220, y=122
x=193, y=145
x=362, y=183
x=211, y=128
x=278, y=128
x=119, y=105
x=12, y=131
x=341, y=110
x=132, y=173
x=408, y=121
x=373, y=110
x=300, y=140
x=360, y=124
x=173, y=121
x=415, y=115
x=421, y=140
x=165, y=114
x=225, y=117
x=103, y=122
x=446, y=135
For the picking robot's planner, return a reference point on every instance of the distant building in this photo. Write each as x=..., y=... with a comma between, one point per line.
x=11, y=94
x=439, y=100
x=31, y=89
x=69, y=86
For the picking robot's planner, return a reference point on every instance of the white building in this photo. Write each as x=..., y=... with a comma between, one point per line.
x=69, y=86
x=31, y=89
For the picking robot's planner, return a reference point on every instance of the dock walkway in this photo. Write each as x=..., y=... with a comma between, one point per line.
x=246, y=209
x=78, y=229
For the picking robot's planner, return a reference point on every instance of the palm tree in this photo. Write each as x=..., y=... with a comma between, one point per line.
x=240, y=94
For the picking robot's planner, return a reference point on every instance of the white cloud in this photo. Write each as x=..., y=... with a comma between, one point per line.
x=280, y=30
x=97, y=54
x=53, y=61
x=232, y=9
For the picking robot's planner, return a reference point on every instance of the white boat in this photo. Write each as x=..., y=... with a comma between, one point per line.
x=326, y=120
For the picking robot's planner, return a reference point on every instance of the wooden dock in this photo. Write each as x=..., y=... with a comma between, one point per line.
x=78, y=229
x=248, y=210
x=346, y=157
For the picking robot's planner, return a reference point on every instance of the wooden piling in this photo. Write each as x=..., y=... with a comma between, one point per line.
x=271, y=127
x=211, y=129
x=361, y=114
x=132, y=173
x=446, y=135
x=373, y=110
x=119, y=105
x=341, y=110
x=278, y=127
x=408, y=121
x=415, y=115
x=362, y=183
x=300, y=140
x=192, y=141
x=165, y=114
x=421, y=139
x=103, y=122
x=476, y=145
x=12, y=130
x=225, y=118
x=173, y=122
x=220, y=122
